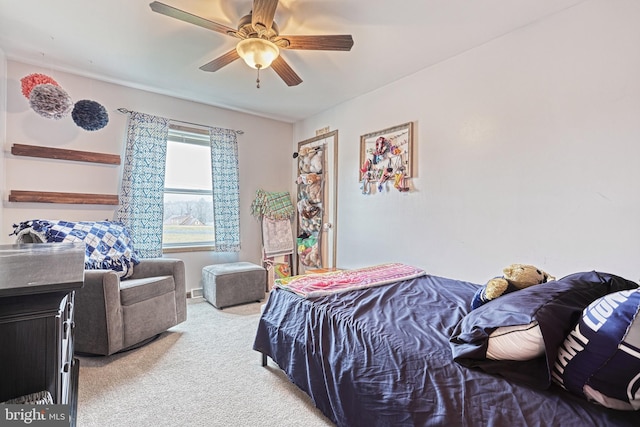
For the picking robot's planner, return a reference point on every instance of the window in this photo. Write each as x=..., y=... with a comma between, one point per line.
x=188, y=195
x=142, y=205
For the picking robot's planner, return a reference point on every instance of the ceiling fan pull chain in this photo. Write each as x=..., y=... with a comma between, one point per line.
x=258, y=79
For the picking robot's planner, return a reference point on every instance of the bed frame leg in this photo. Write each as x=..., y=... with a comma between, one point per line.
x=264, y=359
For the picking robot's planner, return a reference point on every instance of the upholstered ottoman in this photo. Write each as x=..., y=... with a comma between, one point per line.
x=233, y=283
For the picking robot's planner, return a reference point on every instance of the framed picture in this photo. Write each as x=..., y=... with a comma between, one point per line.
x=386, y=155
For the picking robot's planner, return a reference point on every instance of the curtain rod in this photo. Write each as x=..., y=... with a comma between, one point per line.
x=125, y=111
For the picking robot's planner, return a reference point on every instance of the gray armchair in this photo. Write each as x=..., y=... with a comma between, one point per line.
x=113, y=315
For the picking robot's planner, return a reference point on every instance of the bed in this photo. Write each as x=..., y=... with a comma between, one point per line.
x=406, y=353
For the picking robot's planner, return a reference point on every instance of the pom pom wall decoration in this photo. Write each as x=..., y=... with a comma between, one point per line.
x=50, y=101
x=89, y=115
x=32, y=80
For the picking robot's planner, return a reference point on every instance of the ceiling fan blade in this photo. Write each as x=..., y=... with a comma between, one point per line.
x=263, y=13
x=335, y=42
x=285, y=72
x=172, y=12
x=221, y=61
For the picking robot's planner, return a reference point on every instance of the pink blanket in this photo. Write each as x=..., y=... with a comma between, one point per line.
x=314, y=285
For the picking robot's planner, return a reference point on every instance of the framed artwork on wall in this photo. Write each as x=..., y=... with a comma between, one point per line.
x=386, y=158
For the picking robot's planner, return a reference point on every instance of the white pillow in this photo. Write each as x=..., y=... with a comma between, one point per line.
x=520, y=342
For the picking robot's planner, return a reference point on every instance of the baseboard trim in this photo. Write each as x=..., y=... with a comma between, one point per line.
x=195, y=293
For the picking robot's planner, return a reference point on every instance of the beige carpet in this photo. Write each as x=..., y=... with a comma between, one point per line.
x=202, y=372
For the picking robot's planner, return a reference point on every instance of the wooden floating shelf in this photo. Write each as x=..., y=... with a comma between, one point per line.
x=65, y=198
x=63, y=154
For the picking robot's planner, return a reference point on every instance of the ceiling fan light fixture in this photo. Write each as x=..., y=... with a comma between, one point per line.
x=257, y=53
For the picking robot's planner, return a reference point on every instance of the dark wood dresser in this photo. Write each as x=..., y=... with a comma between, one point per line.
x=37, y=284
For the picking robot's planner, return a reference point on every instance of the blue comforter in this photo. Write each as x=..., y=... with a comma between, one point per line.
x=382, y=357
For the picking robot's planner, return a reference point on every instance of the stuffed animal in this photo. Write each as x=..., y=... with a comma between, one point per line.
x=315, y=164
x=308, y=252
x=308, y=178
x=314, y=191
x=310, y=216
x=313, y=257
x=310, y=160
x=516, y=277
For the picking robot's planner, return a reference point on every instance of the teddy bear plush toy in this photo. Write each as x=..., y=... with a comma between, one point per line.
x=516, y=277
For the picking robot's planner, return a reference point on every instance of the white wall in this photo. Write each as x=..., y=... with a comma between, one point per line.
x=264, y=156
x=3, y=118
x=527, y=151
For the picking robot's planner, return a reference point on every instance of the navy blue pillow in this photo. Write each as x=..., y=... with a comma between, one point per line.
x=556, y=306
x=600, y=358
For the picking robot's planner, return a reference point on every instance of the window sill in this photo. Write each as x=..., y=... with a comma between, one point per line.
x=177, y=249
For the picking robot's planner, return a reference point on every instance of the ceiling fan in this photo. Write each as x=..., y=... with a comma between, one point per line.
x=260, y=39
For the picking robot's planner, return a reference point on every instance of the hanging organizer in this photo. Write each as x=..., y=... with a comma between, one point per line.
x=310, y=207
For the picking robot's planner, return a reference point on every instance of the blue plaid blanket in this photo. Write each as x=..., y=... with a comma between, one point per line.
x=108, y=244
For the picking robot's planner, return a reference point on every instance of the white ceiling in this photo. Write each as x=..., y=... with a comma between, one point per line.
x=123, y=41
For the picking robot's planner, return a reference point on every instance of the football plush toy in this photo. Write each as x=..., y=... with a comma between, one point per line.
x=516, y=276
